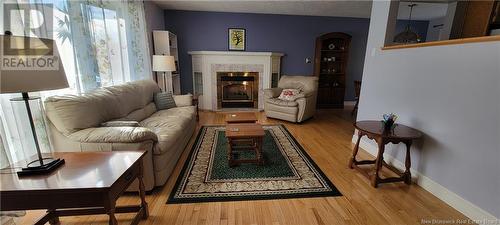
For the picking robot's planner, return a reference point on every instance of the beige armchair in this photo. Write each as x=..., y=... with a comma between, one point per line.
x=296, y=111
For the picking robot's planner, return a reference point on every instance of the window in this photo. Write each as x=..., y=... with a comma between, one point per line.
x=101, y=43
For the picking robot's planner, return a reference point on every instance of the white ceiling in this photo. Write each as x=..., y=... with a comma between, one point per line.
x=361, y=9
x=423, y=10
x=340, y=8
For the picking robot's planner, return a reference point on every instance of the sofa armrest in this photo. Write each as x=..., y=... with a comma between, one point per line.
x=272, y=92
x=183, y=100
x=306, y=106
x=114, y=135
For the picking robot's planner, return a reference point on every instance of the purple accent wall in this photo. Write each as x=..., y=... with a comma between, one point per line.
x=154, y=21
x=293, y=35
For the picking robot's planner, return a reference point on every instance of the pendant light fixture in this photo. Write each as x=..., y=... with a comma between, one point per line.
x=408, y=36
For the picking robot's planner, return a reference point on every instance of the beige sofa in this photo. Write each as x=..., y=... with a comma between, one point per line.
x=75, y=125
x=296, y=111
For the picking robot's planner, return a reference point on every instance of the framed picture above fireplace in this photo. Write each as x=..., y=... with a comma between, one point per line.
x=237, y=39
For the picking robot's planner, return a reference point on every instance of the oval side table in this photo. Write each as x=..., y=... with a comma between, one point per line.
x=398, y=134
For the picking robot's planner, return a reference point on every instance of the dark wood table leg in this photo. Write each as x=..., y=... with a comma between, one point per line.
x=110, y=207
x=230, y=152
x=142, y=193
x=260, y=158
x=407, y=173
x=355, y=150
x=48, y=217
x=379, y=161
x=54, y=219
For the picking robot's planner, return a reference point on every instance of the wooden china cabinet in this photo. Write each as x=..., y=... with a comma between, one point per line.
x=330, y=64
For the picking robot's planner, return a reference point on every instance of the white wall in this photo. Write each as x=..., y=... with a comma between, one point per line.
x=450, y=93
x=448, y=21
x=434, y=29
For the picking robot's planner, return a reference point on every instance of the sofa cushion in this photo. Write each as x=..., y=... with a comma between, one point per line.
x=164, y=100
x=113, y=135
x=134, y=95
x=140, y=114
x=279, y=102
x=169, y=126
x=120, y=123
x=186, y=111
x=70, y=113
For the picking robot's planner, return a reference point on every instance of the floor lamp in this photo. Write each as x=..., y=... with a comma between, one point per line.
x=164, y=63
x=34, y=65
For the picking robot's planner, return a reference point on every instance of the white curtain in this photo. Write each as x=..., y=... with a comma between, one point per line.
x=101, y=43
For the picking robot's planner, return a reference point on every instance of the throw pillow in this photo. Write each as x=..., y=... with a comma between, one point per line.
x=289, y=94
x=164, y=100
x=118, y=123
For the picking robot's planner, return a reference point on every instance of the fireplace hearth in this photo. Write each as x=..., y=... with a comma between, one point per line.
x=237, y=89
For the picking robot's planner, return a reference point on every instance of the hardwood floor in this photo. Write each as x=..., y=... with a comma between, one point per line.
x=327, y=139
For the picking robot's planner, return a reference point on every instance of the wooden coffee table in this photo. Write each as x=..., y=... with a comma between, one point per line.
x=241, y=117
x=399, y=134
x=88, y=183
x=244, y=136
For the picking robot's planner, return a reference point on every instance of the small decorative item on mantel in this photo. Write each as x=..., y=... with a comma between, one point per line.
x=388, y=121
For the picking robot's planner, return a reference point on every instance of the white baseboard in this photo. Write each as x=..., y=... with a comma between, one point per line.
x=460, y=204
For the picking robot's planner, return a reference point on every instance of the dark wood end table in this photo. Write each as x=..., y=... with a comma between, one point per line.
x=244, y=136
x=241, y=117
x=399, y=134
x=196, y=102
x=88, y=183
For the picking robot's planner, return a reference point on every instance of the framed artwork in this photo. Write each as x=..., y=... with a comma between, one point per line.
x=237, y=39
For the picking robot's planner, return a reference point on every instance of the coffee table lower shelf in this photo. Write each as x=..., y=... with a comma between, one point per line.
x=52, y=216
x=251, y=135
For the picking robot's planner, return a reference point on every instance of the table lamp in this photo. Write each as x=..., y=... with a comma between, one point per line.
x=164, y=63
x=33, y=64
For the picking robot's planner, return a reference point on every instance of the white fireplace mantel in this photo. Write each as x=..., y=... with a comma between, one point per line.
x=235, y=53
x=206, y=64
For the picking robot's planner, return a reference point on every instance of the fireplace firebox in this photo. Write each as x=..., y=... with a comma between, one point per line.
x=237, y=89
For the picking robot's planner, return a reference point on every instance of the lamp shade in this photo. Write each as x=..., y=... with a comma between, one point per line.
x=30, y=64
x=163, y=63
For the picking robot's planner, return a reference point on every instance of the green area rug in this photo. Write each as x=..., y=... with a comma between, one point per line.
x=288, y=172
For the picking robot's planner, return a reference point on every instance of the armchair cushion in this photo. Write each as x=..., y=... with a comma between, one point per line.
x=272, y=92
x=114, y=135
x=306, y=84
x=279, y=102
